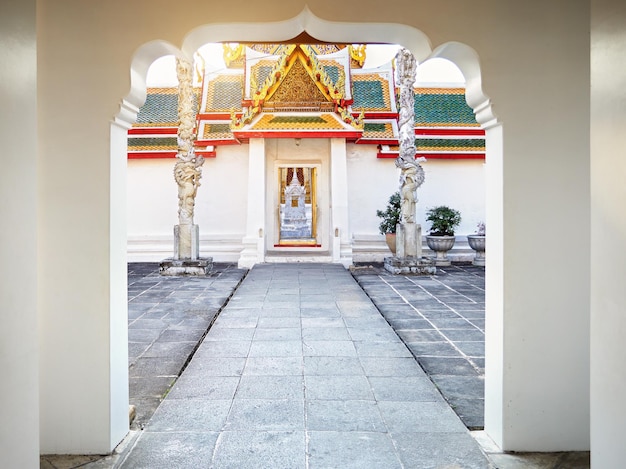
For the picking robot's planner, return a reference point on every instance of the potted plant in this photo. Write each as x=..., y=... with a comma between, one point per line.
x=390, y=218
x=443, y=220
x=477, y=242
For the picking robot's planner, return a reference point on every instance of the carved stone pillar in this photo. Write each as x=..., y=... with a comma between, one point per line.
x=187, y=174
x=408, y=258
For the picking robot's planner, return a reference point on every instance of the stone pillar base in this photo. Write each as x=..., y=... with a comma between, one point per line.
x=410, y=266
x=186, y=267
x=186, y=242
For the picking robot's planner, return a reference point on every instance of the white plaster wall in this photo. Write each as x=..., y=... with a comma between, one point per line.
x=220, y=206
x=608, y=232
x=535, y=69
x=19, y=406
x=460, y=184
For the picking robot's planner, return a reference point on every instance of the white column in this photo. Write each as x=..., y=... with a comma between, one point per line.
x=253, y=250
x=608, y=234
x=19, y=406
x=340, y=233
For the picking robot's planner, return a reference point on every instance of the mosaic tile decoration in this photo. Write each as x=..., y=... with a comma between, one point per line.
x=152, y=144
x=442, y=107
x=370, y=93
x=215, y=131
x=161, y=107
x=224, y=94
x=378, y=130
x=450, y=144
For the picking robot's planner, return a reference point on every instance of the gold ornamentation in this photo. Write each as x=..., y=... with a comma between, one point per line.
x=233, y=52
x=357, y=53
x=298, y=88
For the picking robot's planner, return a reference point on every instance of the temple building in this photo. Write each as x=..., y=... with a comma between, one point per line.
x=274, y=120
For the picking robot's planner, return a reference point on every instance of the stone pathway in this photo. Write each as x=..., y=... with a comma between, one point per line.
x=301, y=371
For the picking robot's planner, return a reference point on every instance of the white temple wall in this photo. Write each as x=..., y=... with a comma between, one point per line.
x=220, y=206
x=221, y=200
x=460, y=184
x=538, y=387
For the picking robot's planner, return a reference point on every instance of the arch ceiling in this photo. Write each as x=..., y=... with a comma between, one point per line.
x=306, y=24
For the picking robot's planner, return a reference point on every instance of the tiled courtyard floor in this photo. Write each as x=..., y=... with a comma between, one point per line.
x=441, y=319
x=301, y=370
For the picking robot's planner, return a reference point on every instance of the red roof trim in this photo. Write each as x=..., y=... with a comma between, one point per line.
x=215, y=116
x=134, y=155
x=439, y=156
x=152, y=130
x=464, y=131
x=205, y=143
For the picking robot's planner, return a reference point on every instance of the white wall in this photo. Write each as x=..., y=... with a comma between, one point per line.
x=531, y=46
x=608, y=199
x=19, y=406
x=220, y=206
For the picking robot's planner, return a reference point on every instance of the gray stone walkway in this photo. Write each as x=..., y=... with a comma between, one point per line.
x=300, y=370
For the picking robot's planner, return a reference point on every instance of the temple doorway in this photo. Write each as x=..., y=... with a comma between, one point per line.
x=297, y=212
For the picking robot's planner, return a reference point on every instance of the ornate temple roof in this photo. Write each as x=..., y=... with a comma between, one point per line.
x=307, y=91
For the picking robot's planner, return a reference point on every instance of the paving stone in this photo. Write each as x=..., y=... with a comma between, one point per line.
x=447, y=366
x=351, y=450
x=329, y=348
x=260, y=450
x=464, y=335
x=420, y=335
x=471, y=349
x=150, y=387
x=324, y=333
x=439, y=450
x=332, y=366
x=472, y=387
x=381, y=349
x=269, y=348
x=390, y=366
x=338, y=387
x=170, y=349
x=278, y=334
x=226, y=334
x=274, y=366
x=417, y=417
x=470, y=411
x=343, y=416
x=171, y=449
x=216, y=366
x=403, y=388
x=433, y=349
x=270, y=387
x=153, y=366
x=277, y=322
x=189, y=415
x=266, y=415
x=200, y=386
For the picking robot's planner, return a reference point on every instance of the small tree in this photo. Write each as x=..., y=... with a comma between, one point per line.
x=443, y=220
x=391, y=215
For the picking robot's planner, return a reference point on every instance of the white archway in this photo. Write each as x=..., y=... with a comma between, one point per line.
x=306, y=22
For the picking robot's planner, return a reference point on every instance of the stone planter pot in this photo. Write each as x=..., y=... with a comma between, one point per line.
x=441, y=245
x=477, y=243
x=390, y=238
